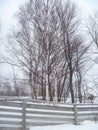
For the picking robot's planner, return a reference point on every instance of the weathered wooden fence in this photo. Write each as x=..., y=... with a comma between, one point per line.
x=24, y=114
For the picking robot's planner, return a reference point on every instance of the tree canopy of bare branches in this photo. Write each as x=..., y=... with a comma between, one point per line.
x=47, y=45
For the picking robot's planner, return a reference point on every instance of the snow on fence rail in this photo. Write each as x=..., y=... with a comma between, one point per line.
x=24, y=114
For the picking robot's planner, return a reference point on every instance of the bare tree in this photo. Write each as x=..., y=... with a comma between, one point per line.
x=21, y=44
x=92, y=27
x=47, y=46
x=46, y=34
x=72, y=44
x=69, y=25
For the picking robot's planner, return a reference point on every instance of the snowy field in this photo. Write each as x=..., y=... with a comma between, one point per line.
x=86, y=125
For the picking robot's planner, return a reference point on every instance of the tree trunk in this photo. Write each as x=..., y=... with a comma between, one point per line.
x=47, y=55
x=31, y=85
x=71, y=87
x=55, y=88
x=56, y=80
x=47, y=78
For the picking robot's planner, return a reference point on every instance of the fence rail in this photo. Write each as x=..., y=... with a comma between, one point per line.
x=23, y=114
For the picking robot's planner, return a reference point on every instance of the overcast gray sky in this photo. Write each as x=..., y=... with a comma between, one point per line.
x=8, y=9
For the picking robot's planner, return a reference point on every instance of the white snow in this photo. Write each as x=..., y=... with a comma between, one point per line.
x=86, y=125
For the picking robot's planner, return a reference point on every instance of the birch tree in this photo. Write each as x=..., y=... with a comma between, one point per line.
x=21, y=44
x=72, y=40
x=44, y=46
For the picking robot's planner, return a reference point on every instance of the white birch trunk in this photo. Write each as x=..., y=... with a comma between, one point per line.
x=56, y=83
x=47, y=78
x=47, y=56
x=55, y=89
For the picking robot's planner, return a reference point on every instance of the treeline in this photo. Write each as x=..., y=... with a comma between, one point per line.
x=49, y=48
x=14, y=87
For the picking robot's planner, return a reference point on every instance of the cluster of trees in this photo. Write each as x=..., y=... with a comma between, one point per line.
x=50, y=49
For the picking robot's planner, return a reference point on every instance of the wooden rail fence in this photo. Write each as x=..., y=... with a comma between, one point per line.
x=25, y=114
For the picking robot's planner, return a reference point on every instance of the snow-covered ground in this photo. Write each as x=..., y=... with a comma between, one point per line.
x=86, y=125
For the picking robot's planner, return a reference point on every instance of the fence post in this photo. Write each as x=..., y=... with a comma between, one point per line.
x=75, y=114
x=24, y=115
